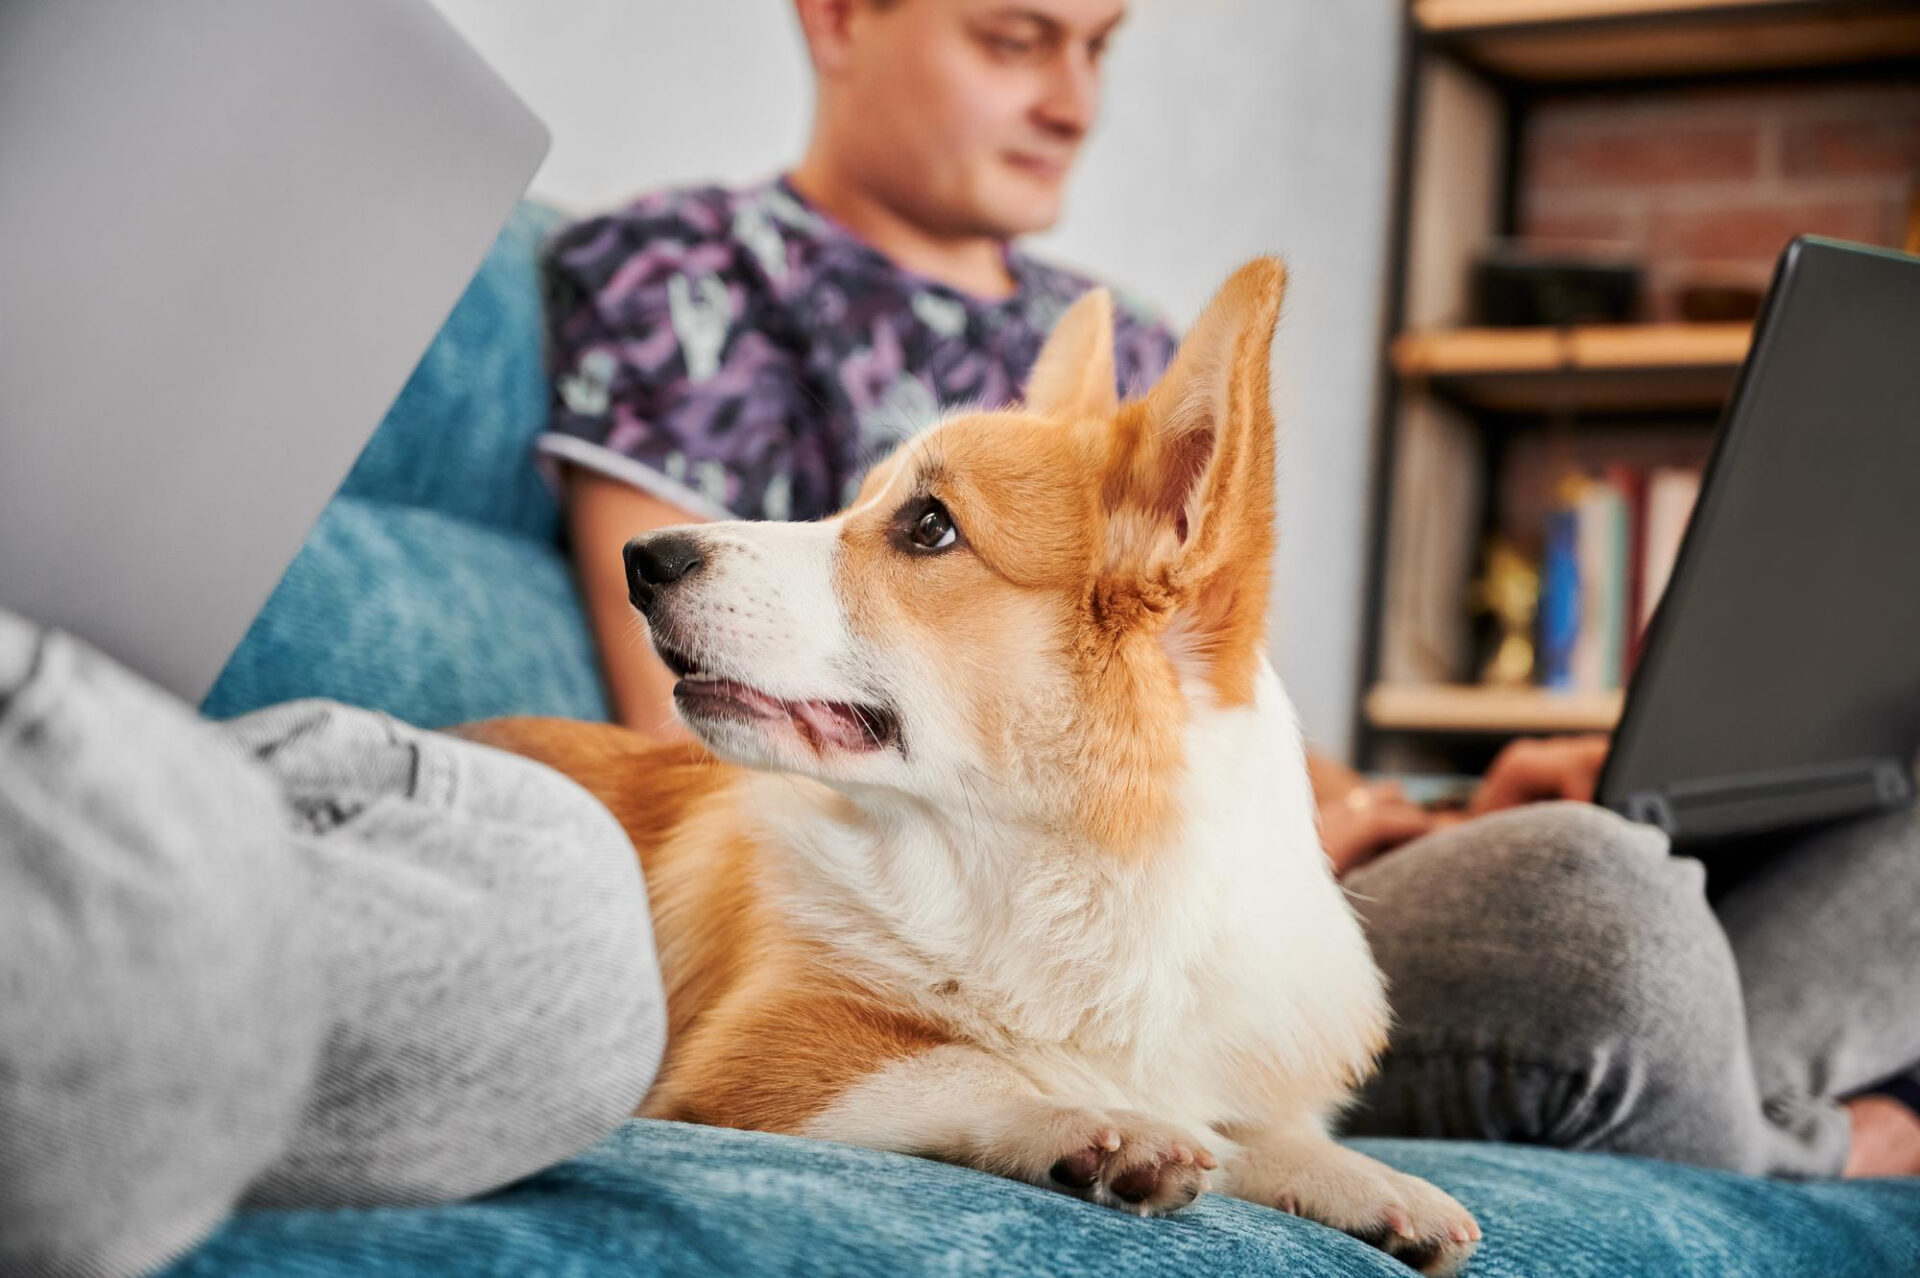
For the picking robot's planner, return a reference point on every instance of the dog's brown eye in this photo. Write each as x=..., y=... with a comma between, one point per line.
x=933, y=528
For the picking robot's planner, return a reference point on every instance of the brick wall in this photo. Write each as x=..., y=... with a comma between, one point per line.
x=1709, y=184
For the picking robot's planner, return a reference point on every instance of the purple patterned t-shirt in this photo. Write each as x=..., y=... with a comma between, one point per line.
x=740, y=355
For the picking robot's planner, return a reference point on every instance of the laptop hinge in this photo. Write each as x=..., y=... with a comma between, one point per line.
x=1692, y=811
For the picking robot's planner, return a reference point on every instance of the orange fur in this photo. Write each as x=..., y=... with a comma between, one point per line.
x=759, y=1035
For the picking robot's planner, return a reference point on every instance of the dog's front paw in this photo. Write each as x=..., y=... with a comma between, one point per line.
x=1117, y=1158
x=1402, y=1215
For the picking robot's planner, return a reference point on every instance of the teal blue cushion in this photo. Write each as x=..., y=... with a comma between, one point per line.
x=668, y=1199
x=425, y=615
x=435, y=585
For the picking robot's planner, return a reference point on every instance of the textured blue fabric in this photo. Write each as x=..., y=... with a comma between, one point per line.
x=434, y=586
x=425, y=615
x=669, y=1199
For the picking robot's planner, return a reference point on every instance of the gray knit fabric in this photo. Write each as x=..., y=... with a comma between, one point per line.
x=160, y=1016
x=493, y=1000
x=1559, y=977
x=309, y=957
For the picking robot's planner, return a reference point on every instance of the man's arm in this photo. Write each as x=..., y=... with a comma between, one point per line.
x=602, y=514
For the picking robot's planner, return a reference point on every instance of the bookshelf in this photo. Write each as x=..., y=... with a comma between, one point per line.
x=1461, y=406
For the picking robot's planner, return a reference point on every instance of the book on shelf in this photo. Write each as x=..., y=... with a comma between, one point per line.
x=1610, y=545
x=1600, y=532
x=1631, y=483
x=1671, y=493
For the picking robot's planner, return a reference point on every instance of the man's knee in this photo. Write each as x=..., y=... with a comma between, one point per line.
x=488, y=950
x=160, y=1025
x=1562, y=893
x=1556, y=976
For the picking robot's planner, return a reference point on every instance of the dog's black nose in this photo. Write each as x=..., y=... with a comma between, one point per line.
x=658, y=560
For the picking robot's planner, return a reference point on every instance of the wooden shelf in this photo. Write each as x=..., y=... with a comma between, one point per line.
x=1570, y=41
x=1499, y=711
x=1601, y=367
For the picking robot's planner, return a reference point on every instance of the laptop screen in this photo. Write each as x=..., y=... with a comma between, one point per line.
x=231, y=231
x=1781, y=673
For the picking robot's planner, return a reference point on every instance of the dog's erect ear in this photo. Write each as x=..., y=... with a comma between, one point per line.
x=1191, y=505
x=1073, y=375
x=1209, y=423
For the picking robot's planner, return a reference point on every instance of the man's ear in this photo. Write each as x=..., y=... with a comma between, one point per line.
x=825, y=24
x=1191, y=507
x=1073, y=376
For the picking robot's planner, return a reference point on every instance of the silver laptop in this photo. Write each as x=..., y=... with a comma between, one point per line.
x=227, y=233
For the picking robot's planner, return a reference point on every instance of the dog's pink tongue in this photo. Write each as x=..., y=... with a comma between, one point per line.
x=826, y=724
x=754, y=699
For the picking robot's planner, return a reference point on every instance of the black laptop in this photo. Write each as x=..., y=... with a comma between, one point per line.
x=1779, y=684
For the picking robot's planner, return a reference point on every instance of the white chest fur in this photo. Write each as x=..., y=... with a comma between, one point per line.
x=1186, y=981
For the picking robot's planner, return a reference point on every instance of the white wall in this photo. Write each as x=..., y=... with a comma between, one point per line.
x=1231, y=127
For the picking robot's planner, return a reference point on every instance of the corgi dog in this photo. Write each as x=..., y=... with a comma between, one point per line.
x=1000, y=848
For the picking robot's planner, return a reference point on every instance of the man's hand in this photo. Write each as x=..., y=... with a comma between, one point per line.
x=1369, y=820
x=1533, y=770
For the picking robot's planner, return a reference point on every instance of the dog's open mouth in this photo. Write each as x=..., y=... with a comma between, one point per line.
x=823, y=725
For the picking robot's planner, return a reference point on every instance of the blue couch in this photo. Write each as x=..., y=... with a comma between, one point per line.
x=435, y=586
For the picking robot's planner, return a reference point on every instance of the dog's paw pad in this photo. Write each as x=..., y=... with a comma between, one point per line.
x=1078, y=1170
x=1437, y=1257
x=1407, y=1218
x=1131, y=1162
x=1081, y=1168
x=1136, y=1184
x=1433, y=1234
x=1153, y=1180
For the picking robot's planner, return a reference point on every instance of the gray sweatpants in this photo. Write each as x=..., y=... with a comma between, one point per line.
x=308, y=957
x=1559, y=977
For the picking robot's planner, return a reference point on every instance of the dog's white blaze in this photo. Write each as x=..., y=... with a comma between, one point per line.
x=766, y=612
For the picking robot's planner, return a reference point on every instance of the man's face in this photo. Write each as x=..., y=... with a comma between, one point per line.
x=969, y=113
